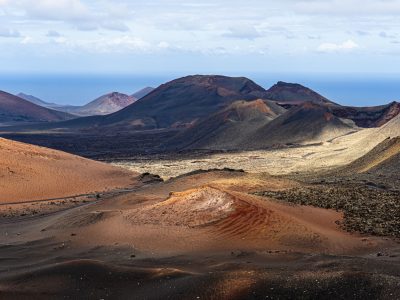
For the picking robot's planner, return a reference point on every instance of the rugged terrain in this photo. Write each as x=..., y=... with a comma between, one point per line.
x=215, y=189
x=164, y=240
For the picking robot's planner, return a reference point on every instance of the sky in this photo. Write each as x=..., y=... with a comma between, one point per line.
x=71, y=51
x=215, y=36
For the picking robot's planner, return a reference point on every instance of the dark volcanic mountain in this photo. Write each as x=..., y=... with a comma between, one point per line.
x=184, y=101
x=223, y=129
x=14, y=110
x=176, y=104
x=143, y=92
x=289, y=94
x=104, y=105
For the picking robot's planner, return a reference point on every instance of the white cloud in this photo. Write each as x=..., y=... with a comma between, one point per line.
x=386, y=35
x=115, y=26
x=343, y=47
x=27, y=40
x=9, y=33
x=121, y=44
x=163, y=45
x=53, y=33
x=164, y=28
x=243, y=32
x=348, y=7
x=81, y=14
x=56, y=10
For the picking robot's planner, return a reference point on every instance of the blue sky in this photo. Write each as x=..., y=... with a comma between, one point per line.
x=218, y=36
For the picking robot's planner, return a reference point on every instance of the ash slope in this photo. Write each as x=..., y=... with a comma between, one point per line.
x=308, y=123
x=223, y=129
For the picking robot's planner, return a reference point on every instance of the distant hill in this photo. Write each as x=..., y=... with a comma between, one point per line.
x=143, y=92
x=35, y=100
x=40, y=102
x=223, y=129
x=14, y=109
x=104, y=105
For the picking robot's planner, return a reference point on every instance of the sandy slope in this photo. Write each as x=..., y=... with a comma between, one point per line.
x=32, y=173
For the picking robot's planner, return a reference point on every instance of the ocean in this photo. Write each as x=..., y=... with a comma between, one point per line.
x=78, y=89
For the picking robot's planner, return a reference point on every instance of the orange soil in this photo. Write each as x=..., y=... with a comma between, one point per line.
x=203, y=213
x=29, y=173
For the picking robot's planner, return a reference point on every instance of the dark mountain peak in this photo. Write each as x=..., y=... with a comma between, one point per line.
x=237, y=84
x=289, y=85
x=183, y=101
x=295, y=94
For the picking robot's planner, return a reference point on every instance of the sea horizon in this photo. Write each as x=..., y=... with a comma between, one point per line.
x=353, y=89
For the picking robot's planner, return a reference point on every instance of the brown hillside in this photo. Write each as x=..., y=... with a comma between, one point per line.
x=33, y=173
